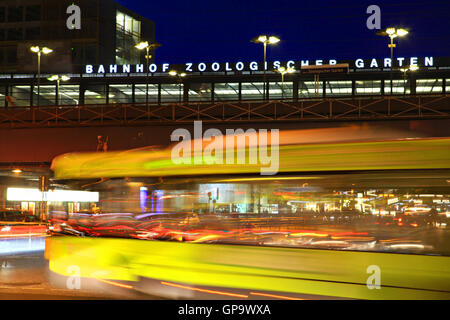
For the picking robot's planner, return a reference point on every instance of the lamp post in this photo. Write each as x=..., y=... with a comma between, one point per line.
x=58, y=79
x=180, y=77
x=39, y=51
x=405, y=70
x=393, y=33
x=283, y=71
x=265, y=40
x=145, y=45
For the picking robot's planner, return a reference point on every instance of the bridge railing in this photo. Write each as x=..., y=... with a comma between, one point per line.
x=327, y=109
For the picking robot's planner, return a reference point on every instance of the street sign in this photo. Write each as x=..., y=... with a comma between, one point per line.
x=326, y=68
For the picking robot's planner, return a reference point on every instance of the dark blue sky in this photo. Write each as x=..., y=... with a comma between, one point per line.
x=220, y=30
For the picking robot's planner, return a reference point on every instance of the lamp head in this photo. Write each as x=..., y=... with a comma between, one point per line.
x=46, y=50
x=142, y=45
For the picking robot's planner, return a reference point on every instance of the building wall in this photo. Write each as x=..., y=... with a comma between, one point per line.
x=24, y=23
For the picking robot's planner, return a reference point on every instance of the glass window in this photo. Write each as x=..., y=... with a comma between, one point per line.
x=15, y=34
x=2, y=14
x=140, y=93
x=2, y=35
x=11, y=55
x=91, y=55
x=19, y=96
x=306, y=89
x=32, y=33
x=281, y=90
x=69, y=95
x=47, y=95
x=2, y=96
x=172, y=92
x=33, y=13
x=95, y=94
x=253, y=90
x=398, y=86
x=428, y=85
x=447, y=85
x=200, y=92
x=338, y=88
x=120, y=93
x=368, y=87
x=226, y=91
x=15, y=14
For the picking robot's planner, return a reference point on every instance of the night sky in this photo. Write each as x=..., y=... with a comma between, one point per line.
x=211, y=30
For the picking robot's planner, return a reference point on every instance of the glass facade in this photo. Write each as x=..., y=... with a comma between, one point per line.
x=338, y=88
x=95, y=94
x=128, y=34
x=200, y=92
x=226, y=91
x=368, y=87
x=428, y=85
x=172, y=92
x=140, y=92
x=69, y=95
x=2, y=96
x=252, y=91
x=398, y=86
x=96, y=91
x=281, y=90
x=307, y=89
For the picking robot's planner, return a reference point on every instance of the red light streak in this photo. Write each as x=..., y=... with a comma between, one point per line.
x=205, y=290
x=274, y=296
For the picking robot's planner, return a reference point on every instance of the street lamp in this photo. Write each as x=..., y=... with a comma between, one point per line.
x=180, y=77
x=283, y=72
x=145, y=45
x=393, y=33
x=405, y=70
x=58, y=78
x=265, y=40
x=39, y=51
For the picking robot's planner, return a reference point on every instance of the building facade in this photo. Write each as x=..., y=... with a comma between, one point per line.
x=108, y=34
x=127, y=84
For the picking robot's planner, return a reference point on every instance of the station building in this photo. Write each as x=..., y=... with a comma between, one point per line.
x=115, y=83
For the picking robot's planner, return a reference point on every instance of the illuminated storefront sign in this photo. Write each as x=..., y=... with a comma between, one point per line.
x=256, y=66
x=24, y=194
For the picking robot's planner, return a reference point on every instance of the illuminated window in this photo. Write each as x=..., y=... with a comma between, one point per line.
x=128, y=34
x=2, y=96
x=171, y=92
x=398, y=86
x=253, y=90
x=69, y=95
x=279, y=90
x=306, y=89
x=47, y=95
x=428, y=85
x=200, y=92
x=226, y=91
x=338, y=88
x=140, y=92
x=95, y=94
x=19, y=96
x=447, y=85
x=121, y=93
x=368, y=87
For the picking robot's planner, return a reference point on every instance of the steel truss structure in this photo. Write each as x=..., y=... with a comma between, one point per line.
x=328, y=109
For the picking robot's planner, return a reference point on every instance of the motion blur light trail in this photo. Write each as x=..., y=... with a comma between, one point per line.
x=283, y=270
x=345, y=200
